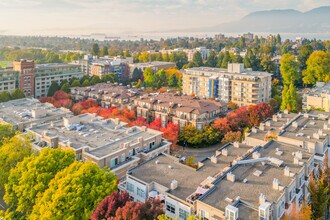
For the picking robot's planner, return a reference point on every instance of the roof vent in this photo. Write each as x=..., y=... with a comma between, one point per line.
x=174, y=184
x=224, y=152
x=231, y=177
x=170, y=167
x=262, y=198
x=236, y=144
x=256, y=155
x=245, y=180
x=257, y=173
x=157, y=162
x=214, y=159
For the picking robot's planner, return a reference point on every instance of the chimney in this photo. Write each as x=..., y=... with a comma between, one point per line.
x=295, y=124
x=214, y=159
x=320, y=132
x=286, y=111
x=299, y=155
x=286, y=171
x=316, y=136
x=224, y=152
x=306, y=115
x=231, y=177
x=144, y=128
x=325, y=127
x=274, y=118
x=276, y=184
x=262, y=198
x=236, y=144
x=117, y=121
x=256, y=155
x=296, y=160
x=268, y=123
x=174, y=184
x=254, y=130
x=262, y=126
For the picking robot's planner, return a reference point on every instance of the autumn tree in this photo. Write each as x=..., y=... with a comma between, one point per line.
x=13, y=151
x=222, y=125
x=171, y=133
x=7, y=131
x=75, y=192
x=289, y=69
x=33, y=175
x=140, y=121
x=232, y=136
x=318, y=68
x=156, y=124
x=109, y=205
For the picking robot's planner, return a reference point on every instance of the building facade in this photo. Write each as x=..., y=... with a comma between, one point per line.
x=236, y=84
x=26, y=76
x=8, y=80
x=318, y=97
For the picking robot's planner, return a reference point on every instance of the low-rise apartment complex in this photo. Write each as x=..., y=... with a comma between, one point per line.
x=318, y=97
x=236, y=84
x=181, y=110
x=237, y=182
x=106, y=142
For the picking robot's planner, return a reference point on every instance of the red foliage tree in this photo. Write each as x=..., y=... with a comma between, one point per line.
x=140, y=121
x=140, y=211
x=222, y=124
x=232, y=137
x=60, y=95
x=77, y=108
x=238, y=119
x=259, y=113
x=171, y=132
x=109, y=205
x=156, y=124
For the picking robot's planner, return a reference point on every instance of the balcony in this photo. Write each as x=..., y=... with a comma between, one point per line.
x=129, y=161
x=122, y=186
x=162, y=146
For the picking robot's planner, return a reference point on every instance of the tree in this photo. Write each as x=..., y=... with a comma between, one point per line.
x=250, y=60
x=104, y=51
x=75, y=83
x=226, y=59
x=289, y=69
x=75, y=192
x=32, y=175
x=232, y=105
x=149, y=77
x=140, y=121
x=5, y=96
x=303, y=54
x=197, y=59
x=232, y=136
x=65, y=87
x=318, y=68
x=156, y=124
x=140, y=211
x=171, y=133
x=190, y=135
x=95, y=80
x=7, y=131
x=222, y=125
x=85, y=83
x=210, y=135
x=13, y=151
x=172, y=81
x=267, y=64
x=17, y=94
x=108, y=78
x=259, y=113
x=109, y=205
x=289, y=98
x=220, y=58
x=53, y=88
x=95, y=51
x=212, y=59
x=137, y=74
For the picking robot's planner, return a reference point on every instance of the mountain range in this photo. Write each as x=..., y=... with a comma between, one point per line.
x=288, y=21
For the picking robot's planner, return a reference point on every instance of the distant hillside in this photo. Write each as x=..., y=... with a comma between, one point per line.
x=289, y=21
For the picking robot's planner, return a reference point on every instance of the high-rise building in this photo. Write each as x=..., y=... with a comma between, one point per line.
x=235, y=84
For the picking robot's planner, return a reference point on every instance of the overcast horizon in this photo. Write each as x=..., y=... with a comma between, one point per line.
x=71, y=17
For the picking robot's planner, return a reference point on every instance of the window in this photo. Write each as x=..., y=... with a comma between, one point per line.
x=170, y=207
x=204, y=215
x=130, y=187
x=183, y=214
x=140, y=192
x=151, y=145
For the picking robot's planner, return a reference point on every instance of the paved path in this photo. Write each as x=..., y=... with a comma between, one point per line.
x=198, y=153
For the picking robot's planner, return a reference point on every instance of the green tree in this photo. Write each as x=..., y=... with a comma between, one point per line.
x=304, y=52
x=95, y=80
x=226, y=59
x=289, y=69
x=137, y=74
x=53, y=88
x=17, y=94
x=250, y=60
x=13, y=150
x=241, y=43
x=220, y=58
x=6, y=131
x=267, y=64
x=160, y=78
x=172, y=81
x=75, y=83
x=75, y=192
x=212, y=59
x=104, y=51
x=149, y=77
x=318, y=68
x=66, y=87
x=85, y=83
x=289, y=98
x=30, y=178
x=5, y=96
x=95, y=51
x=108, y=78
x=197, y=59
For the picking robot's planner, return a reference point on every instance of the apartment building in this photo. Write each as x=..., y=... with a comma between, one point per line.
x=235, y=84
x=25, y=68
x=238, y=182
x=45, y=74
x=23, y=113
x=309, y=131
x=106, y=142
x=181, y=110
x=102, y=67
x=202, y=50
x=107, y=94
x=8, y=80
x=154, y=65
x=318, y=97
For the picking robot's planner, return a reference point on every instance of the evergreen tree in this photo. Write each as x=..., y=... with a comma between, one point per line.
x=53, y=88
x=220, y=58
x=226, y=59
x=66, y=87
x=95, y=51
x=86, y=83
x=76, y=83
x=137, y=74
x=212, y=59
x=95, y=80
x=104, y=51
x=17, y=94
x=172, y=81
x=197, y=59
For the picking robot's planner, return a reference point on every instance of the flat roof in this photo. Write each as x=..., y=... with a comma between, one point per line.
x=20, y=111
x=215, y=71
x=250, y=191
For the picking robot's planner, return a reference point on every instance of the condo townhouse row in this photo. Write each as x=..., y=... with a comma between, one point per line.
x=105, y=142
x=264, y=177
x=179, y=109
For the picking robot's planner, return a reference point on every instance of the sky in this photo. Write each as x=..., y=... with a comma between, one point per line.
x=113, y=17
